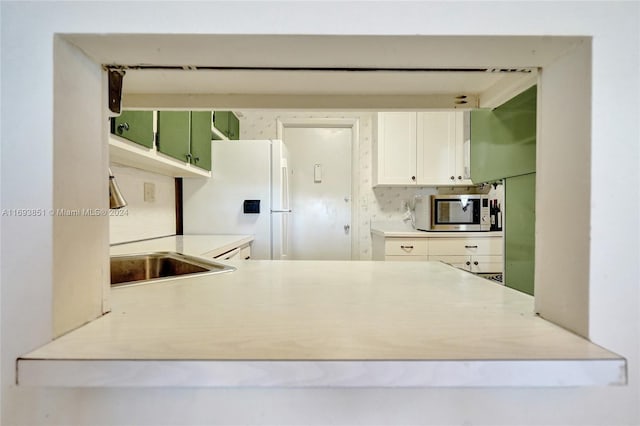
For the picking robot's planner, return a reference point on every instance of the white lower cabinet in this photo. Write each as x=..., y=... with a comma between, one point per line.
x=238, y=253
x=474, y=264
x=474, y=254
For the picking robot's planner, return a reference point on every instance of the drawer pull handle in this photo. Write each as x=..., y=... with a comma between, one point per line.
x=406, y=247
x=470, y=246
x=475, y=263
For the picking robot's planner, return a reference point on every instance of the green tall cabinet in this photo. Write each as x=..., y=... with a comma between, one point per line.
x=519, y=232
x=503, y=147
x=136, y=126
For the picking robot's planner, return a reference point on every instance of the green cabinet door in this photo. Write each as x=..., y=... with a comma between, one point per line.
x=503, y=140
x=174, y=134
x=221, y=122
x=234, y=127
x=136, y=126
x=519, y=232
x=227, y=123
x=201, y=139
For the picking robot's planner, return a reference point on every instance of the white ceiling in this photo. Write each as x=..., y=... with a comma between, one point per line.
x=319, y=53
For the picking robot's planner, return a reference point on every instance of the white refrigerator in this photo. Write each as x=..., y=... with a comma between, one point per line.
x=253, y=170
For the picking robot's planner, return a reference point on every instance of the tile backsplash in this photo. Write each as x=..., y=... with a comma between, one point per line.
x=142, y=219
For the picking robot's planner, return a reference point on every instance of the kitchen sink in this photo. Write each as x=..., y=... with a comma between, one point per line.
x=142, y=268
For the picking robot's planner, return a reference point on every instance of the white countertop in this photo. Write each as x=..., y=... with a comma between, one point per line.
x=194, y=245
x=322, y=323
x=405, y=230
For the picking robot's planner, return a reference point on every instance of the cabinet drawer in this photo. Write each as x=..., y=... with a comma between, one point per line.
x=233, y=254
x=465, y=246
x=404, y=247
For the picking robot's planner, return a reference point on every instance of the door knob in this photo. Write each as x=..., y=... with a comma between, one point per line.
x=346, y=229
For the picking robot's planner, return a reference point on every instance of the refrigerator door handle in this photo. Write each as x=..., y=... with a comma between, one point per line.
x=281, y=211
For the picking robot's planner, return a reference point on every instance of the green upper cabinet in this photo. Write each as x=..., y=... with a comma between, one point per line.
x=186, y=136
x=227, y=124
x=503, y=140
x=201, y=139
x=136, y=126
x=221, y=123
x=234, y=127
x=174, y=134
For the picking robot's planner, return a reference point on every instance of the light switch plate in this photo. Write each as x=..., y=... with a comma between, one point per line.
x=149, y=192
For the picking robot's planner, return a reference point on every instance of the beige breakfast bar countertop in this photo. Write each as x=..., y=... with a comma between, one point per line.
x=322, y=323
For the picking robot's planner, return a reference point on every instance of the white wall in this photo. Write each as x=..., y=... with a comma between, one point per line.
x=79, y=159
x=27, y=168
x=142, y=219
x=563, y=128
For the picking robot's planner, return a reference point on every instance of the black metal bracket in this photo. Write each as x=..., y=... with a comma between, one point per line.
x=115, y=88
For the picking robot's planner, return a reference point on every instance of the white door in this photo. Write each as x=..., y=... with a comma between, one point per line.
x=320, y=192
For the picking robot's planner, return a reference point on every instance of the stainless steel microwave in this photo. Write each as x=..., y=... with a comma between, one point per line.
x=460, y=212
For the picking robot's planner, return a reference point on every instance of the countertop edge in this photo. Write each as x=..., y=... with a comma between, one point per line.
x=190, y=244
x=301, y=374
x=425, y=234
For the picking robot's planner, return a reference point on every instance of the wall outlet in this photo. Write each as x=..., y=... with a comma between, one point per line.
x=149, y=192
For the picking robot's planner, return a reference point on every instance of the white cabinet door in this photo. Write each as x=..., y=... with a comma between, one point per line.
x=486, y=264
x=395, y=149
x=436, y=146
x=463, y=148
x=441, y=149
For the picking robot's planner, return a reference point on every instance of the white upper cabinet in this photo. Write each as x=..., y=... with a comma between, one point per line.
x=394, y=160
x=424, y=148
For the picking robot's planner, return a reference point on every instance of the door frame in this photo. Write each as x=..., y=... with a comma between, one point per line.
x=339, y=123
